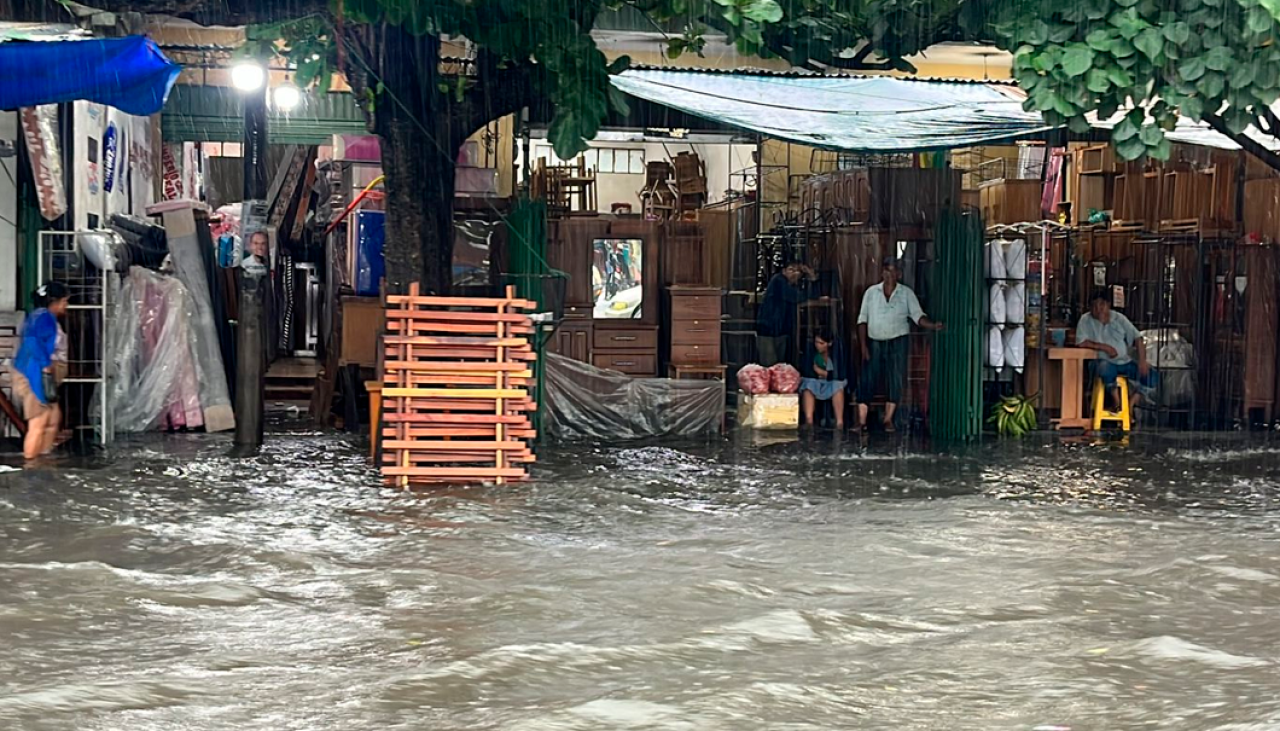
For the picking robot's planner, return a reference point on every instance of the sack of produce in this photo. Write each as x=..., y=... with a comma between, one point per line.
x=784, y=378
x=753, y=378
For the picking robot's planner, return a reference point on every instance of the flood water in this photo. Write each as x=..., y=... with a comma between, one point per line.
x=723, y=587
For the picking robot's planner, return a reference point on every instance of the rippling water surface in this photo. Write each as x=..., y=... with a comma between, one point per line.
x=726, y=587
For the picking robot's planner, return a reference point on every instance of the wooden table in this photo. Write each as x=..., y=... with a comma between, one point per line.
x=1073, y=386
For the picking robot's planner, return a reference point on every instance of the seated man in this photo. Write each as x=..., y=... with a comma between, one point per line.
x=1112, y=335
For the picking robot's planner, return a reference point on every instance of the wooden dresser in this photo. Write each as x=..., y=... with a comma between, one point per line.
x=694, y=331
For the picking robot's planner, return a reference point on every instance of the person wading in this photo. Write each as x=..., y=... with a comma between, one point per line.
x=37, y=368
x=884, y=322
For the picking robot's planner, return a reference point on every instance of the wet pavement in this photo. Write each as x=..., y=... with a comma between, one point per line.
x=754, y=583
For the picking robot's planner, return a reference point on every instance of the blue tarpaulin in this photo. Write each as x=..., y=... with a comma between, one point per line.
x=130, y=74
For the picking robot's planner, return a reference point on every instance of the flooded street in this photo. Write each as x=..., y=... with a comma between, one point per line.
x=722, y=587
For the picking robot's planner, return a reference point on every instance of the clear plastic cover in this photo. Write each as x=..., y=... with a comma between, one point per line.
x=155, y=381
x=585, y=402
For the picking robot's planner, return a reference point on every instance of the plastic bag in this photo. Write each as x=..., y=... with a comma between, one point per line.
x=994, y=260
x=155, y=376
x=1015, y=298
x=995, y=347
x=998, y=304
x=1015, y=348
x=99, y=248
x=1015, y=259
x=585, y=402
x=1173, y=359
x=753, y=378
x=784, y=378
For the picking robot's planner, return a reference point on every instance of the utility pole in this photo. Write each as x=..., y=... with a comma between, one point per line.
x=251, y=362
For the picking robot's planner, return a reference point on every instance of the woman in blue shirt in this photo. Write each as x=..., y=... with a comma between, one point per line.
x=33, y=370
x=822, y=376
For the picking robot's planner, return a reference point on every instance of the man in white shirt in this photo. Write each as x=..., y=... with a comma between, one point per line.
x=884, y=322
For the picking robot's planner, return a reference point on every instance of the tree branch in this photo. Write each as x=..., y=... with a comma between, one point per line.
x=1250, y=145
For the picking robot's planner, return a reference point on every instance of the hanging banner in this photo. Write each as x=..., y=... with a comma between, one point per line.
x=110, y=149
x=40, y=130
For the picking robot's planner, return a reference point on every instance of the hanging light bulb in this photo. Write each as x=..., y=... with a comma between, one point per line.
x=248, y=76
x=287, y=97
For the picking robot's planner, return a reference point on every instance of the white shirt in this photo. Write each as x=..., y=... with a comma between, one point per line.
x=891, y=318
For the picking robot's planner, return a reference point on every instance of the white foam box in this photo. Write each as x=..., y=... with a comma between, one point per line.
x=769, y=410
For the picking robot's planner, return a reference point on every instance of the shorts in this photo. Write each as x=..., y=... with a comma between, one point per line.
x=32, y=407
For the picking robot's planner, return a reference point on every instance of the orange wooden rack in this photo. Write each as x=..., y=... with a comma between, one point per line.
x=456, y=377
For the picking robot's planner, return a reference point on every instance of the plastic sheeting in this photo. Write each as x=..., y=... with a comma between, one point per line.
x=993, y=260
x=151, y=354
x=1015, y=307
x=1174, y=359
x=585, y=402
x=1015, y=259
x=130, y=74
x=994, y=351
x=998, y=304
x=871, y=113
x=1015, y=348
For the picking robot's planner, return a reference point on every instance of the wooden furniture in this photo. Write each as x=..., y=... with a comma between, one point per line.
x=884, y=197
x=593, y=334
x=567, y=189
x=362, y=321
x=1010, y=201
x=1073, y=370
x=694, y=330
x=374, y=389
x=455, y=399
x=703, y=372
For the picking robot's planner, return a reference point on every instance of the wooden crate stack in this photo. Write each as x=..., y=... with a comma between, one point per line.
x=455, y=387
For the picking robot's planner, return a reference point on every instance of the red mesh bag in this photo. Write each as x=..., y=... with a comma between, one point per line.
x=753, y=379
x=784, y=378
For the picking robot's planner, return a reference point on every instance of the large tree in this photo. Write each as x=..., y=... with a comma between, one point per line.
x=424, y=105
x=1217, y=61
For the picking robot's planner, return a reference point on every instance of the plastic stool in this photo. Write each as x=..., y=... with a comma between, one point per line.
x=1100, y=413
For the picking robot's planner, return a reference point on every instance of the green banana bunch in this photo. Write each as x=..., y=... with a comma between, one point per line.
x=1014, y=416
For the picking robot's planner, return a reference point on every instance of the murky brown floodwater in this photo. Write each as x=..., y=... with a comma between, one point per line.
x=706, y=588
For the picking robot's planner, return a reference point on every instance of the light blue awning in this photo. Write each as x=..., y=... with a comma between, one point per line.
x=855, y=113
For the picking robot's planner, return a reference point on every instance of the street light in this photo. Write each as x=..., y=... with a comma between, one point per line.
x=287, y=97
x=248, y=76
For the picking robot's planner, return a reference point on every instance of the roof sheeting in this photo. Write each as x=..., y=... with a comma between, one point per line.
x=856, y=113
x=130, y=74
x=868, y=113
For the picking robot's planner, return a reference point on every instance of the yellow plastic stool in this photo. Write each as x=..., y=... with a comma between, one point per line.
x=1100, y=413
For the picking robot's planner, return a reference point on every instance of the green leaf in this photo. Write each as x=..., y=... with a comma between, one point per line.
x=1038, y=33
x=1211, y=85
x=1162, y=150
x=1125, y=129
x=761, y=11
x=1191, y=68
x=1079, y=124
x=1077, y=60
x=1131, y=149
x=1099, y=39
x=1119, y=77
x=1259, y=20
x=1150, y=134
x=1192, y=106
x=1218, y=58
x=1150, y=42
x=1177, y=33
x=1098, y=81
x=1242, y=75
x=1129, y=24
x=1272, y=7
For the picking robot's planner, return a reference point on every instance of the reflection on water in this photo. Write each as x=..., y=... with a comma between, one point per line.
x=749, y=585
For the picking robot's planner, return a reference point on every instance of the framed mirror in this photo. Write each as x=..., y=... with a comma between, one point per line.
x=617, y=279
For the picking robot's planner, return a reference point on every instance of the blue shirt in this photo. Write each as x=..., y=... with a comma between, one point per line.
x=39, y=343
x=777, y=315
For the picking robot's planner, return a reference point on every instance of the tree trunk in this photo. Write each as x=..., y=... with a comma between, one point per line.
x=420, y=142
x=420, y=187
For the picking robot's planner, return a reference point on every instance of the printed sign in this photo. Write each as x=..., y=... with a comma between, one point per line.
x=257, y=240
x=110, y=148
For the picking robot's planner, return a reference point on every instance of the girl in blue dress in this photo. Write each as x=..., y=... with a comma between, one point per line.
x=35, y=368
x=823, y=376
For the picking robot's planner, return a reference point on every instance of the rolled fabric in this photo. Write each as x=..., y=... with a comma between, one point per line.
x=995, y=347
x=994, y=259
x=999, y=304
x=1015, y=347
x=1015, y=259
x=1015, y=299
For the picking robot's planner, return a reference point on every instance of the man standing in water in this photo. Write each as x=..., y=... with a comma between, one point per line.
x=775, y=323
x=884, y=322
x=1111, y=335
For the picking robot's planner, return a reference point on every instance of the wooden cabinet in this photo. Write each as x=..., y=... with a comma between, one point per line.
x=573, y=340
x=1011, y=201
x=693, y=330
